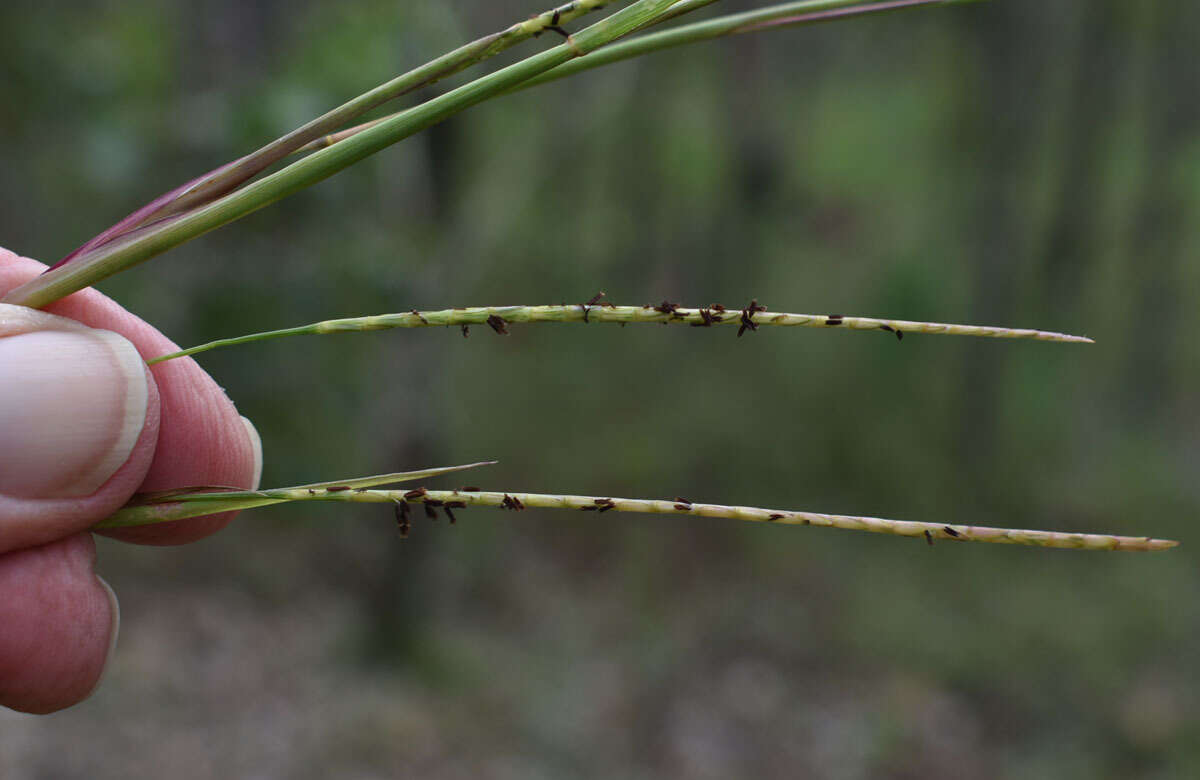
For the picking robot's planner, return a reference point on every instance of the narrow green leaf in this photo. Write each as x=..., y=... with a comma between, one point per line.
x=169, y=505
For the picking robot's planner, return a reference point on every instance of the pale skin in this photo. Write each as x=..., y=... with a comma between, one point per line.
x=56, y=617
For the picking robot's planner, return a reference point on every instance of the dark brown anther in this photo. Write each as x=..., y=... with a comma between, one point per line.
x=419, y=316
x=717, y=307
x=512, y=502
x=469, y=489
x=466, y=330
x=604, y=504
x=775, y=516
x=682, y=500
x=554, y=19
x=415, y=494
x=588, y=508
x=312, y=492
x=591, y=302
x=899, y=333
x=666, y=307
x=402, y=518
x=951, y=532
x=337, y=489
x=833, y=320
x=434, y=502
x=450, y=514
x=747, y=322
x=748, y=317
x=430, y=512
x=497, y=324
x=706, y=319
x=684, y=507
x=929, y=538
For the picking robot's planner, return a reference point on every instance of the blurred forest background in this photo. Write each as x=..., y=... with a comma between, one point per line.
x=1017, y=163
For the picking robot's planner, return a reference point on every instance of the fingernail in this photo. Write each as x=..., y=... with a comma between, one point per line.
x=256, y=443
x=112, y=638
x=72, y=405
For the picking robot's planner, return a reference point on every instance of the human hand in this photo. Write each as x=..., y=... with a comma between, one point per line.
x=84, y=424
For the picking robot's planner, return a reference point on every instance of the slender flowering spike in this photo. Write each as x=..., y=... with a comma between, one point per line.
x=751, y=318
x=177, y=507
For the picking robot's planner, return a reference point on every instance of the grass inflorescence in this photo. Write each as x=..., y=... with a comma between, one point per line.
x=165, y=508
x=236, y=189
x=750, y=317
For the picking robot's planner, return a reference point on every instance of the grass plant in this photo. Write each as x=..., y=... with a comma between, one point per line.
x=239, y=188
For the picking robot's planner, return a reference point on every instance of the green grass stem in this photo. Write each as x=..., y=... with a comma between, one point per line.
x=782, y=16
x=229, y=177
x=474, y=53
x=146, y=242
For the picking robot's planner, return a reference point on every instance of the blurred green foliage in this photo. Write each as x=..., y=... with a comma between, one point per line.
x=1016, y=163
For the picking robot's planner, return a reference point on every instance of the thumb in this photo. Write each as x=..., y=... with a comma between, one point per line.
x=78, y=425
